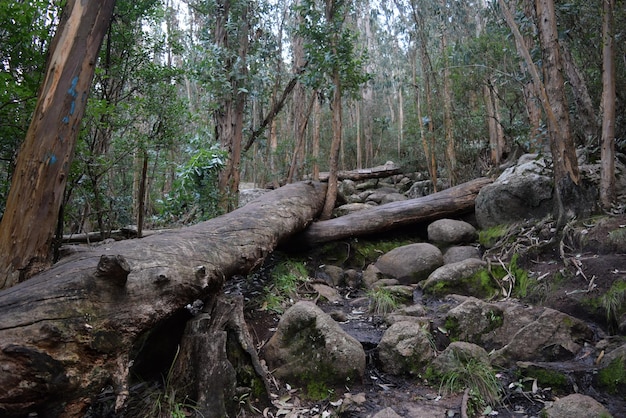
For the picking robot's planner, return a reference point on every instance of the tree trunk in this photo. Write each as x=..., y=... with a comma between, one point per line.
x=565, y=163
x=378, y=172
x=453, y=201
x=43, y=163
x=447, y=104
x=607, y=176
x=70, y=331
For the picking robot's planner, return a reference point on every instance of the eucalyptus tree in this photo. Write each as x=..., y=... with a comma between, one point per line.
x=42, y=166
x=26, y=28
x=334, y=65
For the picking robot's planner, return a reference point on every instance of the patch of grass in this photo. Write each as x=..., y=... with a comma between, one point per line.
x=382, y=301
x=614, y=301
x=287, y=276
x=613, y=377
x=478, y=377
x=490, y=237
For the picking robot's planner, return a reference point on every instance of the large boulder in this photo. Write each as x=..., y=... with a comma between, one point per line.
x=405, y=348
x=553, y=336
x=473, y=320
x=310, y=349
x=410, y=263
x=460, y=253
x=576, y=405
x=468, y=277
x=451, y=232
x=521, y=192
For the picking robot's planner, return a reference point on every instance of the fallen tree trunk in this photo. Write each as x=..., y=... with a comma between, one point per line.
x=378, y=172
x=450, y=202
x=71, y=330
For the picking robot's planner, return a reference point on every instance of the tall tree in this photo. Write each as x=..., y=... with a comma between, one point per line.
x=607, y=176
x=28, y=223
x=334, y=66
x=554, y=103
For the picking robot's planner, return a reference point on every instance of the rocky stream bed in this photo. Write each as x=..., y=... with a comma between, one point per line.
x=567, y=279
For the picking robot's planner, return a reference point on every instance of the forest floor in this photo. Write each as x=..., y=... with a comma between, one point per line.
x=584, y=266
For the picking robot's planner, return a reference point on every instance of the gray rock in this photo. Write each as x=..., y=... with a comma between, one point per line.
x=576, y=405
x=451, y=232
x=333, y=275
x=553, y=336
x=381, y=195
x=405, y=348
x=349, y=208
x=386, y=413
x=459, y=278
x=410, y=263
x=371, y=275
x=309, y=347
x=473, y=320
x=521, y=192
x=460, y=253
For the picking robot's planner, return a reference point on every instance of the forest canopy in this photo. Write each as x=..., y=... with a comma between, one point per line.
x=191, y=98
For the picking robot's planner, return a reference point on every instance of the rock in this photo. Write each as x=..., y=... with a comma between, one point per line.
x=410, y=263
x=460, y=253
x=473, y=320
x=576, y=405
x=457, y=355
x=385, y=195
x=468, y=277
x=353, y=278
x=310, y=349
x=521, y=192
x=386, y=413
x=372, y=275
x=553, y=336
x=327, y=292
x=346, y=188
x=333, y=275
x=349, y=208
x=451, y=232
x=405, y=348
x=612, y=375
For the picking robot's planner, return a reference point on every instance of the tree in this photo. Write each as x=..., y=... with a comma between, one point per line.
x=334, y=65
x=554, y=103
x=28, y=223
x=607, y=176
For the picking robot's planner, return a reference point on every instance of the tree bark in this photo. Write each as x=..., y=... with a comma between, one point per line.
x=378, y=172
x=607, y=176
x=71, y=330
x=453, y=201
x=43, y=164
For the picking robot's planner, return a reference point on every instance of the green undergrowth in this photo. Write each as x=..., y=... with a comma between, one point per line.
x=357, y=252
x=489, y=237
x=382, y=301
x=478, y=377
x=282, y=291
x=613, y=377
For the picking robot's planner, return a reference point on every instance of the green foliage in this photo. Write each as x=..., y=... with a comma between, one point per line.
x=490, y=237
x=478, y=377
x=287, y=276
x=330, y=46
x=614, y=301
x=195, y=188
x=382, y=301
x=613, y=376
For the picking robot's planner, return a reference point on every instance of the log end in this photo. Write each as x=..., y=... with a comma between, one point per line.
x=114, y=268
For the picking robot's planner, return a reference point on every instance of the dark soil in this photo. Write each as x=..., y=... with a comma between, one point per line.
x=572, y=276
